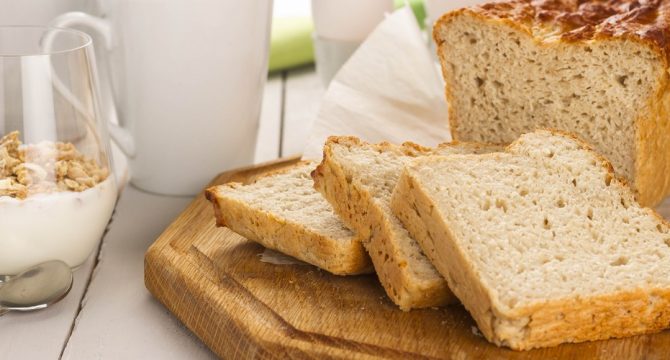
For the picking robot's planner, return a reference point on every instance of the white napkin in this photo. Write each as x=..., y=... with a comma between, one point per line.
x=389, y=90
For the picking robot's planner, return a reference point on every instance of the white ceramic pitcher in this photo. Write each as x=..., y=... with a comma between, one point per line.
x=187, y=79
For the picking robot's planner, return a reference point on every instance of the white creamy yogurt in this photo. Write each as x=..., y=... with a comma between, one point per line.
x=56, y=226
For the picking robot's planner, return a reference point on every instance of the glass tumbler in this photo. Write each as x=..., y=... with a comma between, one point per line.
x=57, y=188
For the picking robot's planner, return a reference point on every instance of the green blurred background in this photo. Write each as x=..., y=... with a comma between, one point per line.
x=291, y=42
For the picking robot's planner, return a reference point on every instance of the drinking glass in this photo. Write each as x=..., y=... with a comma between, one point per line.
x=57, y=188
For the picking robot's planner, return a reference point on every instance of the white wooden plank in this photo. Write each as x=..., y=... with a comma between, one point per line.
x=42, y=334
x=302, y=99
x=119, y=319
x=269, y=129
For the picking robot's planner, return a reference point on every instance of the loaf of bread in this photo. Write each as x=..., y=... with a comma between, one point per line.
x=595, y=68
x=282, y=211
x=358, y=178
x=542, y=244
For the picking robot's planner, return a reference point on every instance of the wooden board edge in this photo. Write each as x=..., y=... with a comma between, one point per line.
x=233, y=337
x=164, y=280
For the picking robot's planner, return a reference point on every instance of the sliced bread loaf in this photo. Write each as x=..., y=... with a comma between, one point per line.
x=543, y=244
x=282, y=211
x=358, y=179
x=592, y=67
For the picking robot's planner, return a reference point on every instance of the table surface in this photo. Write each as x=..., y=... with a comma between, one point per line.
x=109, y=314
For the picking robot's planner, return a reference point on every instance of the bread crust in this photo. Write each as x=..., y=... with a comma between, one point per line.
x=337, y=256
x=573, y=21
x=357, y=210
x=552, y=22
x=541, y=324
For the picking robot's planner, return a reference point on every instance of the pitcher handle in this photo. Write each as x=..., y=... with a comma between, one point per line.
x=120, y=135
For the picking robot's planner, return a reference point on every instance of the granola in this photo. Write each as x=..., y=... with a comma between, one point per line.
x=45, y=167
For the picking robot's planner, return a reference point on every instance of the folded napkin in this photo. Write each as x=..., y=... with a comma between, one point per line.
x=291, y=39
x=388, y=90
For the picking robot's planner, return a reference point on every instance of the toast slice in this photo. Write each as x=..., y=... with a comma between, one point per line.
x=358, y=178
x=282, y=211
x=543, y=244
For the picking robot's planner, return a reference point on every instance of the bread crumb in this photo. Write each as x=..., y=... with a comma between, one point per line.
x=276, y=258
x=475, y=331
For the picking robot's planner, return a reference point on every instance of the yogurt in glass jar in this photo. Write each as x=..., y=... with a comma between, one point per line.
x=55, y=203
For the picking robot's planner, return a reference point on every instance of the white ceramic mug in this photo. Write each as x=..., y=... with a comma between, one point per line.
x=187, y=78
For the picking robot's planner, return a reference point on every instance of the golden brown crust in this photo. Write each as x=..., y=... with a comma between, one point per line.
x=579, y=20
x=652, y=163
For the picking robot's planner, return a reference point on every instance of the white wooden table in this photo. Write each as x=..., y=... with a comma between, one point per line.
x=109, y=314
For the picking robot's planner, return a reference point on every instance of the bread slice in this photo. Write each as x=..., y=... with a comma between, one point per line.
x=542, y=244
x=282, y=211
x=595, y=68
x=358, y=178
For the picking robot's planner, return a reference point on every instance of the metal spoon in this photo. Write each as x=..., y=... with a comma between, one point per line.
x=36, y=288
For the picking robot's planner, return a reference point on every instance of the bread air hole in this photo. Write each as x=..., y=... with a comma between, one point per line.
x=487, y=205
x=594, y=236
x=621, y=79
x=560, y=203
x=547, y=225
x=501, y=204
x=621, y=260
x=479, y=81
x=589, y=214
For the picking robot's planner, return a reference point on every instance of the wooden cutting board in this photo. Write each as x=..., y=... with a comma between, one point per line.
x=214, y=281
